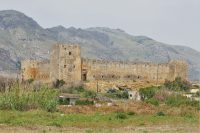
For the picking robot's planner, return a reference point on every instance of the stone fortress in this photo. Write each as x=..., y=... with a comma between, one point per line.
x=66, y=64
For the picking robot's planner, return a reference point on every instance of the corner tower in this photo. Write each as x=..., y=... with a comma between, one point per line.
x=65, y=63
x=178, y=68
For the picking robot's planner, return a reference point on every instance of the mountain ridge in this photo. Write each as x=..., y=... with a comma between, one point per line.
x=23, y=38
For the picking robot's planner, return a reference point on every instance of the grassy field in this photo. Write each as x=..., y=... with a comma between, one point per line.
x=37, y=109
x=42, y=121
x=90, y=120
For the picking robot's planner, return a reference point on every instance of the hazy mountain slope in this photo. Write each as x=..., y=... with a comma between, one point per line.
x=22, y=38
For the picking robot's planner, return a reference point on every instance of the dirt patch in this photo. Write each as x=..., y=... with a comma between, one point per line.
x=137, y=107
x=128, y=106
x=180, y=128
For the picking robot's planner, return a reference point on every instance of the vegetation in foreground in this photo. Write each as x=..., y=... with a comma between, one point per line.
x=169, y=94
x=24, y=99
x=38, y=105
x=115, y=119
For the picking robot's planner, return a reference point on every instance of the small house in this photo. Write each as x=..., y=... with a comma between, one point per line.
x=134, y=95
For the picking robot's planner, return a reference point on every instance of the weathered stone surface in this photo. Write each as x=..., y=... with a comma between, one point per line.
x=66, y=64
x=38, y=70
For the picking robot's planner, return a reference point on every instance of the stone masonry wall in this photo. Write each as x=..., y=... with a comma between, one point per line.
x=66, y=64
x=115, y=70
x=37, y=70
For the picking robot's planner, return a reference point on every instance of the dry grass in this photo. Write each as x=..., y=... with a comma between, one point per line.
x=180, y=128
x=137, y=107
x=104, y=85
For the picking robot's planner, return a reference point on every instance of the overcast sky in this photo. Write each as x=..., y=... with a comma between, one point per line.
x=175, y=22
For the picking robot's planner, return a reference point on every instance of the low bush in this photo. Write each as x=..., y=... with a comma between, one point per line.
x=153, y=101
x=58, y=83
x=73, y=90
x=175, y=100
x=160, y=114
x=62, y=101
x=25, y=99
x=80, y=89
x=161, y=95
x=84, y=102
x=148, y=92
x=121, y=115
x=122, y=94
x=131, y=113
x=30, y=81
x=178, y=85
x=193, y=103
x=198, y=93
x=117, y=94
x=89, y=94
x=178, y=100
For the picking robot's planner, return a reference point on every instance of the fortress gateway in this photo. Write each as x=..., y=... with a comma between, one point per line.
x=66, y=64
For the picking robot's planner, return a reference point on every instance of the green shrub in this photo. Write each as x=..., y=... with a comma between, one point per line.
x=58, y=83
x=118, y=94
x=124, y=95
x=148, y=92
x=178, y=84
x=89, y=94
x=80, y=89
x=198, y=107
x=84, y=102
x=177, y=100
x=47, y=99
x=26, y=99
x=64, y=101
x=121, y=115
x=153, y=101
x=131, y=113
x=73, y=90
x=160, y=114
x=198, y=93
x=121, y=94
x=30, y=81
x=161, y=95
x=193, y=103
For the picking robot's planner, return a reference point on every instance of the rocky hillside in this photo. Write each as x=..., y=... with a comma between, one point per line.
x=23, y=38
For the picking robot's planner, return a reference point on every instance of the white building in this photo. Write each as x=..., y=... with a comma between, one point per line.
x=134, y=95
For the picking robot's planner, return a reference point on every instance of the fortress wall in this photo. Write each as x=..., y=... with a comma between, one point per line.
x=113, y=70
x=178, y=68
x=54, y=63
x=66, y=63
x=37, y=70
